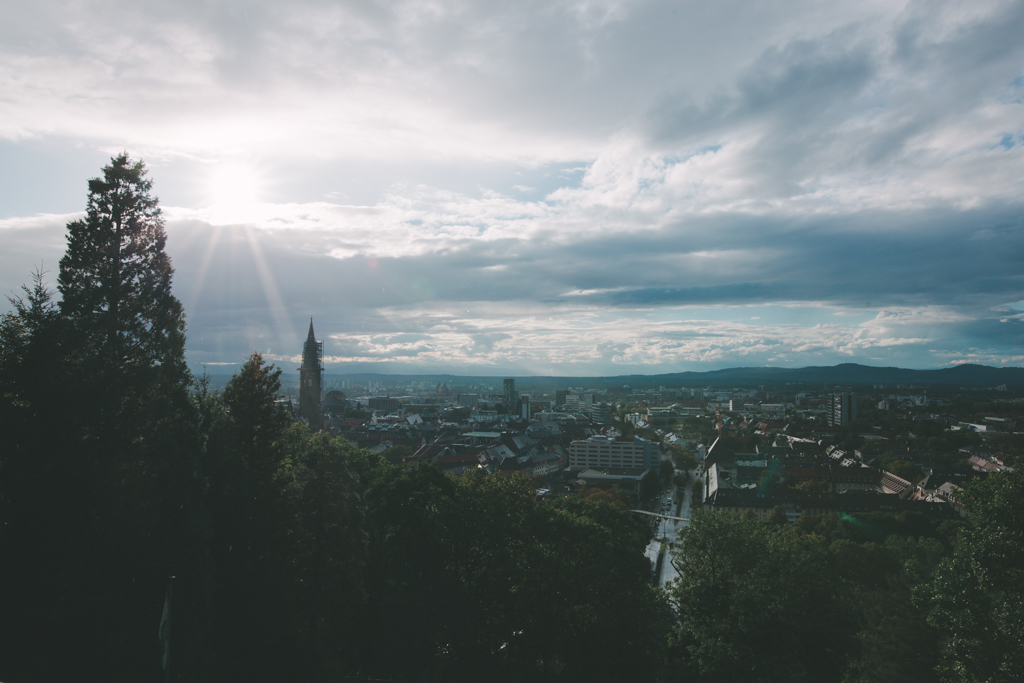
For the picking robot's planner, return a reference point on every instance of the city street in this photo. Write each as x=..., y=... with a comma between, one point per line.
x=668, y=530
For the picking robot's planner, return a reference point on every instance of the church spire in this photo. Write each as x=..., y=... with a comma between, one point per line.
x=310, y=380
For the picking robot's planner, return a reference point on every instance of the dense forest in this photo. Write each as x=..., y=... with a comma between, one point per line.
x=298, y=557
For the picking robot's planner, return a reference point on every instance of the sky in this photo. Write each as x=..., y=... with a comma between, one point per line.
x=543, y=188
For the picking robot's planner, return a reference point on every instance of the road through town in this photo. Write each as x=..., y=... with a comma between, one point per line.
x=669, y=529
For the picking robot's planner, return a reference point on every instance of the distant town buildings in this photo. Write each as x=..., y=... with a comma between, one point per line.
x=785, y=454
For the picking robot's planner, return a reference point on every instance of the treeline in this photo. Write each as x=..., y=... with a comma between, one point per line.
x=298, y=557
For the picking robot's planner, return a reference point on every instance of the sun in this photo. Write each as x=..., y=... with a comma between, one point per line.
x=233, y=185
x=233, y=191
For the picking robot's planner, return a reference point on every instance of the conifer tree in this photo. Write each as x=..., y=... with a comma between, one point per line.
x=115, y=278
x=125, y=480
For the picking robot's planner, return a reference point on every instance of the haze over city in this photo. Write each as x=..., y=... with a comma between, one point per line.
x=579, y=188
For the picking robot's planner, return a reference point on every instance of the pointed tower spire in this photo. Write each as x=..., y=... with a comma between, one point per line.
x=310, y=380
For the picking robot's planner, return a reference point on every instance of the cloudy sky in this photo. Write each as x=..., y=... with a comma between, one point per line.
x=567, y=188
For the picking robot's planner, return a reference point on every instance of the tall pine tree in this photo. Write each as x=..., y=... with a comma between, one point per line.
x=112, y=461
x=115, y=279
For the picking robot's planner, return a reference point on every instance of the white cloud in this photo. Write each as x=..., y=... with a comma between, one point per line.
x=857, y=161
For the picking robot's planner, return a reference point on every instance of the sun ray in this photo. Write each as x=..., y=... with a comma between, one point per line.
x=197, y=286
x=285, y=336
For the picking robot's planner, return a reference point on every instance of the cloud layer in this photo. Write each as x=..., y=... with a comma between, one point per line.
x=556, y=188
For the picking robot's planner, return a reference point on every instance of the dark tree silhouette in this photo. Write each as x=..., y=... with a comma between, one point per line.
x=107, y=456
x=115, y=278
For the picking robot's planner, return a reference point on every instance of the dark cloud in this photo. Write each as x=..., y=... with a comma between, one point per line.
x=541, y=186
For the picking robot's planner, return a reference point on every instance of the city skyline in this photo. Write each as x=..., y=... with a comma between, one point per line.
x=563, y=189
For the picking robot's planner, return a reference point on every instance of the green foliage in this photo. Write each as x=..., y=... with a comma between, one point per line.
x=1011, y=444
x=900, y=467
x=666, y=472
x=616, y=498
x=697, y=492
x=758, y=603
x=975, y=599
x=479, y=583
x=873, y=527
x=255, y=420
x=102, y=467
x=396, y=454
x=115, y=278
x=684, y=460
x=777, y=517
x=247, y=459
x=325, y=546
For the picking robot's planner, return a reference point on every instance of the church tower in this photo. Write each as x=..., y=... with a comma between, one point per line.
x=310, y=379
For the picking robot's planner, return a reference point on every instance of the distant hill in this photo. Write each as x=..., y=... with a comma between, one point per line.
x=846, y=374
x=854, y=374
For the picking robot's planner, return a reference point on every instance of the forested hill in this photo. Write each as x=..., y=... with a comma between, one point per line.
x=853, y=374
x=967, y=375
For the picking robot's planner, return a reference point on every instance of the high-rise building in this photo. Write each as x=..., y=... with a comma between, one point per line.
x=510, y=396
x=840, y=408
x=602, y=413
x=310, y=381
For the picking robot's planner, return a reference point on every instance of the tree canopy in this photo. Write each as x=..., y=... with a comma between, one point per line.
x=976, y=596
x=115, y=277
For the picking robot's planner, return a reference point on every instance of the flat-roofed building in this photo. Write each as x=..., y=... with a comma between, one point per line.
x=776, y=410
x=636, y=484
x=384, y=404
x=603, y=451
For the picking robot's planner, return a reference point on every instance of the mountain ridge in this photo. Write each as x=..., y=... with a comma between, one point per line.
x=853, y=374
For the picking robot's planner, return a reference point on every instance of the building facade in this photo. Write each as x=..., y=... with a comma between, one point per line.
x=510, y=396
x=795, y=503
x=635, y=484
x=604, y=452
x=384, y=404
x=524, y=407
x=841, y=408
